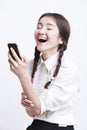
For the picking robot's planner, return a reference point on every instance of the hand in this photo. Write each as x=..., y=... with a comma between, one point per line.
x=17, y=66
x=25, y=101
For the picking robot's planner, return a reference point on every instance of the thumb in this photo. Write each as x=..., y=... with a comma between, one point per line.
x=24, y=59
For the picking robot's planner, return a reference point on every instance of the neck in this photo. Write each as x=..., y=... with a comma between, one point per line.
x=46, y=55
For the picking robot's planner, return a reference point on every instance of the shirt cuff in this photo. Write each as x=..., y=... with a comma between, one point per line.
x=43, y=107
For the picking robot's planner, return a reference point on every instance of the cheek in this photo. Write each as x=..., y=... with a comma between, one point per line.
x=35, y=35
x=35, y=32
x=54, y=37
x=54, y=34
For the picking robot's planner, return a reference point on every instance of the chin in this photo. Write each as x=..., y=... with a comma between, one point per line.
x=41, y=49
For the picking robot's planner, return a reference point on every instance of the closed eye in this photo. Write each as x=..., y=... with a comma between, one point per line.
x=49, y=29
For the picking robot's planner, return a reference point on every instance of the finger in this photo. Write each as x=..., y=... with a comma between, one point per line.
x=24, y=59
x=12, y=61
x=15, y=55
x=23, y=95
x=25, y=104
x=27, y=101
x=11, y=67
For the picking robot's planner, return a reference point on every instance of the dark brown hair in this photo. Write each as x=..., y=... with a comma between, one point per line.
x=64, y=30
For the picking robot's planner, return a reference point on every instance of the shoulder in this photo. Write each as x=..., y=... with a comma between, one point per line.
x=68, y=64
x=68, y=73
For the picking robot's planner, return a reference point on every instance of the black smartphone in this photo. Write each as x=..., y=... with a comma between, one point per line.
x=15, y=47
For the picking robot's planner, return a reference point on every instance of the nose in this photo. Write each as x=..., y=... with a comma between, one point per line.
x=42, y=30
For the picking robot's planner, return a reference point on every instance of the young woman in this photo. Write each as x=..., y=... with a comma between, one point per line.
x=50, y=80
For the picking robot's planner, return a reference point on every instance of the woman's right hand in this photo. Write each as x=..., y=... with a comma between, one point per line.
x=17, y=66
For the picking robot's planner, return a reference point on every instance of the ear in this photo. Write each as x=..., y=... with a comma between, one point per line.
x=60, y=41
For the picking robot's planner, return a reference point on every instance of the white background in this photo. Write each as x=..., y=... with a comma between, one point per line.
x=18, y=19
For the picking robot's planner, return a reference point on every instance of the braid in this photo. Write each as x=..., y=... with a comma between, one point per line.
x=64, y=31
x=61, y=50
x=59, y=62
x=36, y=59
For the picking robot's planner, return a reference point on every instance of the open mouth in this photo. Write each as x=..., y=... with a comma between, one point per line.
x=42, y=40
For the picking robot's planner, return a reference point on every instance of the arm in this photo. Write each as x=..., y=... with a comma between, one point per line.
x=28, y=104
x=63, y=91
x=31, y=95
x=20, y=69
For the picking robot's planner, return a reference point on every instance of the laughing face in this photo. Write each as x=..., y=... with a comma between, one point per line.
x=47, y=36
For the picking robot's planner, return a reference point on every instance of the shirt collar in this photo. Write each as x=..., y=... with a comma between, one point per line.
x=50, y=62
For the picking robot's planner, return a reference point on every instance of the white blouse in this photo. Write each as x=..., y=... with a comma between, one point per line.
x=59, y=100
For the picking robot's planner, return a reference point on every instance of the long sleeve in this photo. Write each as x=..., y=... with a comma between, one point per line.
x=61, y=92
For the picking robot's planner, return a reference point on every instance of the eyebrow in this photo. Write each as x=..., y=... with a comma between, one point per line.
x=48, y=24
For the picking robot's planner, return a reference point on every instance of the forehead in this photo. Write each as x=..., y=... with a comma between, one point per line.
x=48, y=20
